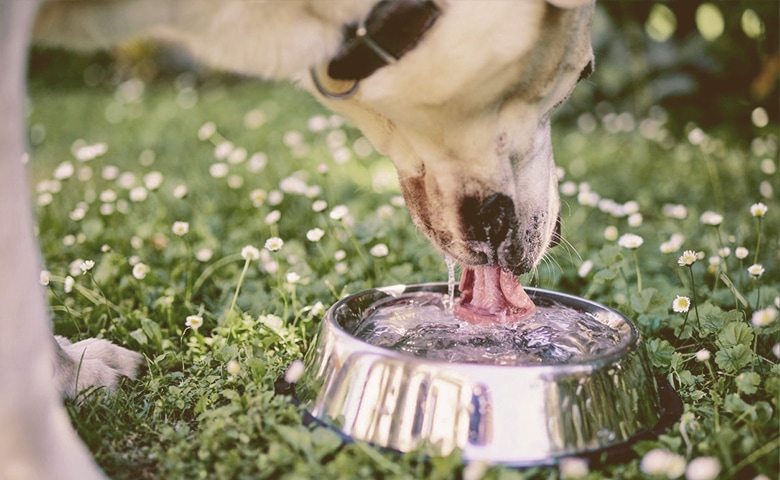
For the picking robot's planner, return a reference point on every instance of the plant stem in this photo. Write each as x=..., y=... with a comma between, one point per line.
x=758, y=241
x=695, y=303
x=240, y=281
x=638, y=273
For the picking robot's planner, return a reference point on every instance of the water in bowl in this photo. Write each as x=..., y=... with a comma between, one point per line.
x=422, y=324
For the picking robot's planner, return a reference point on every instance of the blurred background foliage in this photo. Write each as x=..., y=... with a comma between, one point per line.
x=713, y=64
x=709, y=63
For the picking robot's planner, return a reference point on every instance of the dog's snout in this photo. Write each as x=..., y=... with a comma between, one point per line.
x=488, y=220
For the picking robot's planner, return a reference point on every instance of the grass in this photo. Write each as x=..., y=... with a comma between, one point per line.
x=205, y=407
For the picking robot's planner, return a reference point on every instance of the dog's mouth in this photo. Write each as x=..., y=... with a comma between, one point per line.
x=492, y=295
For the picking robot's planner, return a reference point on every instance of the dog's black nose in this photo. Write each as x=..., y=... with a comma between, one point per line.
x=488, y=220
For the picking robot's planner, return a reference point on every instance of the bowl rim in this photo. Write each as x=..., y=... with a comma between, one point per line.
x=582, y=366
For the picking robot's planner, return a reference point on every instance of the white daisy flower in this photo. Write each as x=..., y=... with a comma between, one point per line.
x=339, y=212
x=315, y=235
x=756, y=270
x=193, y=321
x=274, y=244
x=140, y=270
x=758, y=209
x=86, y=266
x=630, y=241
x=687, y=259
x=180, y=228
x=379, y=250
x=681, y=304
x=763, y=317
x=711, y=218
x=250, y=253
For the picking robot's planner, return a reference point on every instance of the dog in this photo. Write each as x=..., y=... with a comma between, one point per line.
x=457, y=93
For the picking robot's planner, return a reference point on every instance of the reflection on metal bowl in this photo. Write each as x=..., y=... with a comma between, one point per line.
x=526, y=414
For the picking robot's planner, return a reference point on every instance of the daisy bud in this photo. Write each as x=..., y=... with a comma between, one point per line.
x=293, y=278
x=611, y=233
x=294, y=372
x=703, y=355
x=273, y=217
x=573, y=467
x=703, y=468
x=585, y=268
x=741, y=253
x=204, y=255
x=379, y=250
x=475, y=470
x=69, y=283
x=233, y=367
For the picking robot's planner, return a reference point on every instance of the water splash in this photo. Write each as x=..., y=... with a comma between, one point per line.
x=420, y=324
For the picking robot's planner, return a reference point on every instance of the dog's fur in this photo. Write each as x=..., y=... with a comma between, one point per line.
x=464, y=116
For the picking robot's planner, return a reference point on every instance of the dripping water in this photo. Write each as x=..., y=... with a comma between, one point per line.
x=449, y=301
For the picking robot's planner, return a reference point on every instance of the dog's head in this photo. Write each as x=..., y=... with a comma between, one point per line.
x=465, y=117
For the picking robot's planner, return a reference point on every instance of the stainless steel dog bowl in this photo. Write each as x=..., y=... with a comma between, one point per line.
x=525, y=414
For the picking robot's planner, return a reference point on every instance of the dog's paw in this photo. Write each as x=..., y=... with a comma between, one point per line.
x=91, y=364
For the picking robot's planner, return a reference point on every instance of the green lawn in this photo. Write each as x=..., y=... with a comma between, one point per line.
x=205, y=407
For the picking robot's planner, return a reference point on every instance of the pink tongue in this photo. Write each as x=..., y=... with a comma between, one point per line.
x=491, y=295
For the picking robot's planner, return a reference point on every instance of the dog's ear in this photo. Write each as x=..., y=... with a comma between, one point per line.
x=569, y=3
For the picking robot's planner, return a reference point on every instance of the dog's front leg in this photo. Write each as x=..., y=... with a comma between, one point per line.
x=93, y=363
x=36, y=439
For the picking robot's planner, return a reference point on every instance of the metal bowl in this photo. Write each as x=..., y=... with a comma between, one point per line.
x=518, y=415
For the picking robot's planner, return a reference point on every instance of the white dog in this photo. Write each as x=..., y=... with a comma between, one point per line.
x=457, y=93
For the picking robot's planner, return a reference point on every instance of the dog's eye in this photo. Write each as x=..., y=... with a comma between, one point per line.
x=586, y=72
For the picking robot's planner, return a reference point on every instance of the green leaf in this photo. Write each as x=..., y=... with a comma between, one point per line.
x=605, y=276
x=687, y=378
x=152, y=331
x=715, y=319
x=734, y=358
x=640, y=301
x=747, y=382
x=735, y=334
x=297, y=437
x=660, y=352
x=610, y=255
x=325, y=441
x=138, y=336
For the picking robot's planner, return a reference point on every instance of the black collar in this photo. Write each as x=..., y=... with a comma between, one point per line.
x=392, y=29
